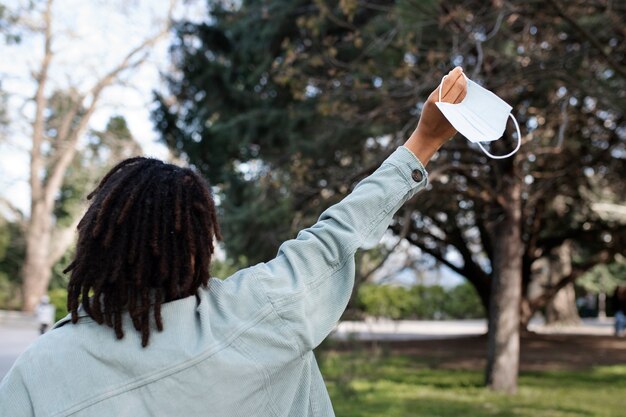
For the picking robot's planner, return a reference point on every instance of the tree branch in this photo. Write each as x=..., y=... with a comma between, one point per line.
x=61, y=240
x=4, y=202
x=68, y=148
x=41, y=103
x=435, y=254
x=587, y=35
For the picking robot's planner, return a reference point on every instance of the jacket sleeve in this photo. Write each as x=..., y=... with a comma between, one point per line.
x=310, y=281
x=15, y=399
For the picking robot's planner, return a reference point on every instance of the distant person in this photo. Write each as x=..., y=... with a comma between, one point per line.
x=45, y=314
x=619, y=304
x=182, y=344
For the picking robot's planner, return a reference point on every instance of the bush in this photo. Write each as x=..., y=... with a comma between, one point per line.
x=58, y=297
x=462, y=302
x=385, y=301
x=10, y=293
x=420, y=302
x=428, y=302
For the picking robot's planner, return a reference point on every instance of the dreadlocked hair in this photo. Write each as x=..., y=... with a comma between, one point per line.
x=146, y=239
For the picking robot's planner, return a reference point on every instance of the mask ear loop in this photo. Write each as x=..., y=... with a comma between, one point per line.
x=519, y=143
x=519, y=134
x=441, y=86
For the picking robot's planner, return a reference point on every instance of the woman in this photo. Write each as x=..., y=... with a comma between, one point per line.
x=238, y=347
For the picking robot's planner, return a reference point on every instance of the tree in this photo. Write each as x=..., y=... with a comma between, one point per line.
x=59, y=122
x=604, y=280
x=292, y=115
x=6, y=23
x=11, y=254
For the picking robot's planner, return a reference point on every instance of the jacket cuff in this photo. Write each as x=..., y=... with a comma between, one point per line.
x=410, y=167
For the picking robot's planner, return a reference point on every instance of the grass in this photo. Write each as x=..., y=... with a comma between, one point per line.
x=362, y=384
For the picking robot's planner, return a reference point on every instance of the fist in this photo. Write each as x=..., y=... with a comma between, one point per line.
x=433, y=129
x=432, y=124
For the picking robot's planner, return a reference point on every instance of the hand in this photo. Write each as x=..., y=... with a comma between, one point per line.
x=433, y=129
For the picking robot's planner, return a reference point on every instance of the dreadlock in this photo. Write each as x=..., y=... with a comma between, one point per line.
x=146, y=239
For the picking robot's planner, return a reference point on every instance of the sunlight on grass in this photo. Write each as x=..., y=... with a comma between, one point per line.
x=362, y=384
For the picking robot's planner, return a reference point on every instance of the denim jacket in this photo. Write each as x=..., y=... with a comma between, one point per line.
x=239, y=347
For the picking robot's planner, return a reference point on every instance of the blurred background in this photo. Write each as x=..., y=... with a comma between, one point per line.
x=505, y=274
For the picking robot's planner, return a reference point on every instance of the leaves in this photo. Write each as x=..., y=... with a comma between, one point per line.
x=420, y=302
x=314, y=83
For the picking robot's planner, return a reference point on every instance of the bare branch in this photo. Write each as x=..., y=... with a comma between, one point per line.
x=41, y=103
x=432, y=252
x=67, y=146
x=438, y=256
x=326, y=12
x=61, y=240
x=69, y=116
x=12, y=209
x=563, y=125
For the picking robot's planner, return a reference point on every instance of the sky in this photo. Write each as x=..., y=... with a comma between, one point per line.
x=91, y=37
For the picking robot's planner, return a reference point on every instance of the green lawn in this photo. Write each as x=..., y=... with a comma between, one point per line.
x=362, y=384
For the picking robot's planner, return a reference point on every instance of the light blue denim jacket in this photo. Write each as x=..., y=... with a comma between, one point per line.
x=241, y=347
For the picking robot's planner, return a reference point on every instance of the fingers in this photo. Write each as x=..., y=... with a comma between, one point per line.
x=454, y=86
x=449, y=80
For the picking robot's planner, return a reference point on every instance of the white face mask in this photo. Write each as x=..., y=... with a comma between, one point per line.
x=480, y=117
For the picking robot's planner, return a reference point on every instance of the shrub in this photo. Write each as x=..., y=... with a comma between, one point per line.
x=58, y=297
x=385, y=301
x=10, y=293
x=420, y=302
x=462, y=302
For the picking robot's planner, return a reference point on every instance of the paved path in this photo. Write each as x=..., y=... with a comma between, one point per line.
x=408, y=329
x=13, y=341
x=15, y=338
x=452, y=329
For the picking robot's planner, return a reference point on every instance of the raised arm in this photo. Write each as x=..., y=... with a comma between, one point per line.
x=310, y=281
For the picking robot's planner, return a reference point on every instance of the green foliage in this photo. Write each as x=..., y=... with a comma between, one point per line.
x=248, y=119
x=401, y=386
x=59, y=279
x=420, y=302
x=604, y=278
x=429, y=302
x=11, y=255
x=104, y=148
x=224, y=268
x=10, y=295
x=11, y=249
x=386, y=301
x=8, y=19
x=462, y=302
x=284, y=105
x=58, y=297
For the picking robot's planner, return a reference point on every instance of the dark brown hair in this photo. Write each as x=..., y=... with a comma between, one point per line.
x=146, y=239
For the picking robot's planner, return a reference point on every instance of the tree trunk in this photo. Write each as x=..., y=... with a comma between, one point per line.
x=47, y=170
x=602, y=306
x=504, y=314
x=562, y=308
x=36, y=271
x=526, y=313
